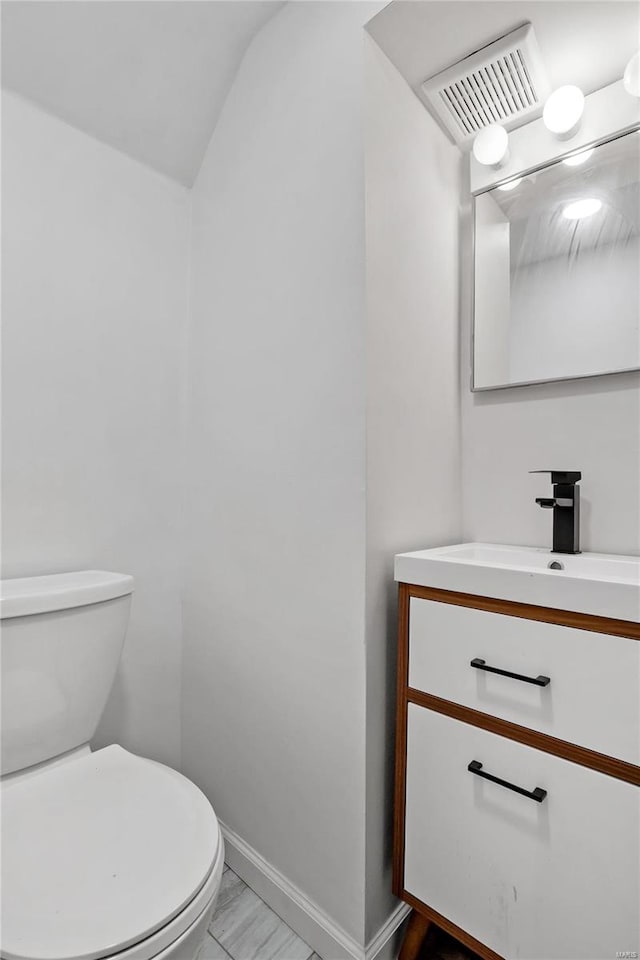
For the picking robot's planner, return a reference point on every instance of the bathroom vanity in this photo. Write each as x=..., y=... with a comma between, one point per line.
x=517, y=809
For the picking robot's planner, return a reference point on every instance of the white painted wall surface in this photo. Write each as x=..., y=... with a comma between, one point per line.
x=94, y=310
x=149, y=79
x=589, y=425
x=274, y=655
x=413, y=406
x=592, y=425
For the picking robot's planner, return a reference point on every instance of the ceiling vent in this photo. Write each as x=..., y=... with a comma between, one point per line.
x=504, y=82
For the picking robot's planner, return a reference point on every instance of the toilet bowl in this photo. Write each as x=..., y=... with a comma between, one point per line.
x=104, y=853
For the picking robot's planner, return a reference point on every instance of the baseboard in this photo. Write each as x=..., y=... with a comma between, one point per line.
x=386, y=943
x=304, y=916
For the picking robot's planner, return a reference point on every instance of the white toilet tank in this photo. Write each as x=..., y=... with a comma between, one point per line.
x=60, y=643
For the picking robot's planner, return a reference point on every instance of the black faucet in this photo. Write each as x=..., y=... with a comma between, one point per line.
x=565, y=504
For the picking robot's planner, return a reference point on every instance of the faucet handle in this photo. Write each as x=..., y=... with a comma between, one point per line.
x=562, y=476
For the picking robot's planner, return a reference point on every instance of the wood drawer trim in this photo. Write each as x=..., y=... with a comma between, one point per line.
x=619, y=769
x=529, y=611
x=461, y=935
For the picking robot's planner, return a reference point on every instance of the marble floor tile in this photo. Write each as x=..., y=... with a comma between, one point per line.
x=249, y=930
x=235, y=902
x=212, y=950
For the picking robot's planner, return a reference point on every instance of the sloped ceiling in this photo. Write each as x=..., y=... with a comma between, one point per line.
x=586, y=42
x=148, y=77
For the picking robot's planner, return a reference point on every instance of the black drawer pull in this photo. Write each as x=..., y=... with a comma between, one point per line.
x=537, y=794
x=482, y=665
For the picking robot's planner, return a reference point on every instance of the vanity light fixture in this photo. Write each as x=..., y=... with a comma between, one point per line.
x=563, y=111
x=510, y=184
x=491, y=146
x=631, y=78
x=578, y=158
x=579, y=209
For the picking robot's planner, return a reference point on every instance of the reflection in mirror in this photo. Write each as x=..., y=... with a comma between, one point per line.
x=557, y=253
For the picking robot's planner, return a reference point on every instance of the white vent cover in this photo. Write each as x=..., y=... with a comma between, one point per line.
x=503, y=82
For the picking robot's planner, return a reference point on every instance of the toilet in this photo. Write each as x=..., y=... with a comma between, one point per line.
x=104, y=853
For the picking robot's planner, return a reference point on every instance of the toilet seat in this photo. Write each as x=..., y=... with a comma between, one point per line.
x=108, y=853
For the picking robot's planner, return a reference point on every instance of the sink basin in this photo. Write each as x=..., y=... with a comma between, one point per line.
x=597, y=583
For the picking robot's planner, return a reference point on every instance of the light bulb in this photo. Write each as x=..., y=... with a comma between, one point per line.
x=578, y=158
x=631, y=78
x=510, y=184
x=563, y=111
x=491, y=146
x=581, y=208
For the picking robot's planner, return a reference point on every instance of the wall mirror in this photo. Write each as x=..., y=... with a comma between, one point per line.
x=556, y=270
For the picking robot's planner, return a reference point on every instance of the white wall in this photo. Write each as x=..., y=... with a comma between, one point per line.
x=274, y=656
x=413, y=406
x=94, y=309
x=592, y=425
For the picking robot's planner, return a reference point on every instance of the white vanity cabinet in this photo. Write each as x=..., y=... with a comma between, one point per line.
x=517, y=819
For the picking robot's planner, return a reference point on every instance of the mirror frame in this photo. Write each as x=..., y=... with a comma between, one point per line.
x=523, y=173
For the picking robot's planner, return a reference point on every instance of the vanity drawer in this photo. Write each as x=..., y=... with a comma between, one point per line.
x=534, y=880
x=592, y=699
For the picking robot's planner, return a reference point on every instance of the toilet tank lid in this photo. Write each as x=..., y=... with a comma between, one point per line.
x=26, y=596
